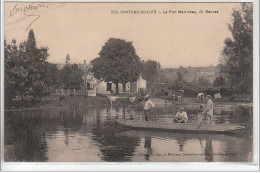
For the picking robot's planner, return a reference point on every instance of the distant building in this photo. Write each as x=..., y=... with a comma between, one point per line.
x=95, y=86
x=131, y=87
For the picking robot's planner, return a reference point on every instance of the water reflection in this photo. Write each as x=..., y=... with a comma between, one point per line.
x=94, y=135
x=147, y=147
x=208, y=150
x=112, y=147
x=181, y=143
x=24, y=142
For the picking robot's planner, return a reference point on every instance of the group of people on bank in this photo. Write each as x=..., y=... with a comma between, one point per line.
x=206, y=111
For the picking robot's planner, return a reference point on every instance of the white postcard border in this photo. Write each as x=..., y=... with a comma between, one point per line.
x=144, y=166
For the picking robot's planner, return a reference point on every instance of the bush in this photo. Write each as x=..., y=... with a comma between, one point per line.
x=191, y=89
x=224, y=91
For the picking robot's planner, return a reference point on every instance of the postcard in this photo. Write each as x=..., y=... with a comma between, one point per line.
x=129, y=83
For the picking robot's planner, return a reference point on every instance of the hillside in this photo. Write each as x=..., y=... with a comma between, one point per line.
x=190, y=74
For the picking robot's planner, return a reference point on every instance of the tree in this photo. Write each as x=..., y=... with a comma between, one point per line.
x=71, y=76
x=24, y=69
x=150, y=71
x=117, y=63
x=27, y=73
x=180, y=75
x=204, y=81
x=51, y=76
x=33, y=61
x=67, y=59
x=237, y=59
x=219, y=81
x=14, y=73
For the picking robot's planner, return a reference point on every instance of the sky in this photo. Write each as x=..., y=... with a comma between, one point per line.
x=81, y=29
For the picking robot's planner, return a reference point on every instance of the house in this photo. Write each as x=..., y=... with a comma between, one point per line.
x=96, y=86
x=131, y=87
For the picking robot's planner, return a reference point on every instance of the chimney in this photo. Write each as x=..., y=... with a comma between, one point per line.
x=84, y=62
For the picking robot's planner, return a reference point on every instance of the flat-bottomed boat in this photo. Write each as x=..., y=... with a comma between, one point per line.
x=196, y=127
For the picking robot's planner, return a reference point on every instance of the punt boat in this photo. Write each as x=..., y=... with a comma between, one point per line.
x=203, y=128
x=178, y=135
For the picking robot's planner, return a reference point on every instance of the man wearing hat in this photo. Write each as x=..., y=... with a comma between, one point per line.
x=181, y=116
x=148, y=104
x=208, y=111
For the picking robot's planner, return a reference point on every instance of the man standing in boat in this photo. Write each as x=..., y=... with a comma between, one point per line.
x=148, y=104
x=181, y=116
x=208, y=111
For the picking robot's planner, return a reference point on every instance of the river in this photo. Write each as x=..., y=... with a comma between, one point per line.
x=93, y=135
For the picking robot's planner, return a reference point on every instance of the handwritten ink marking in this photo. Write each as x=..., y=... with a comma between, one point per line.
x=29, y=11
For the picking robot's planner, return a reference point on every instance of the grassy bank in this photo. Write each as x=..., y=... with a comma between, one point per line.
x=70, y=102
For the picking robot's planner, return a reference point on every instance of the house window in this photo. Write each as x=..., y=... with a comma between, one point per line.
x=109, y=86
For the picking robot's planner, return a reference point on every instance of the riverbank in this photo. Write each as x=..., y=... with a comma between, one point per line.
x=220, y=106
x=72, y=102
x=54, y=103
x=192, y=100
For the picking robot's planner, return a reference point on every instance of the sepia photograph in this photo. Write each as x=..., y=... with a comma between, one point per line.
x=90, y=82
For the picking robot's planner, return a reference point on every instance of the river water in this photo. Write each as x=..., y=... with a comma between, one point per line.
x=90, y=135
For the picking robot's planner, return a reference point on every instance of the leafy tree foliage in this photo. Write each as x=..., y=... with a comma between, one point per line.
x=25, y=70
x=204, y=81
x=14, y=73
x=67, y=59
x=194, y=87
x=180, y=75
x=180, y=83
x=219, y=81
x=71, y=76
x=51, y=76
x=237, y=57
x=150, y=71
x=117, y=63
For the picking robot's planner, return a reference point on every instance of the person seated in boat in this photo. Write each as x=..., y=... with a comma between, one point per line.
x=181, y=116
x=208, y=111
x=148, y=104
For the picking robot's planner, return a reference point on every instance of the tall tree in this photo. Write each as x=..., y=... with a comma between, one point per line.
x=237, y=59
x=27, y=73
x=117, y=63
x=71, y=76
x=24, y=69
x=150, y=71
x=34, y=61
x=67, y=59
